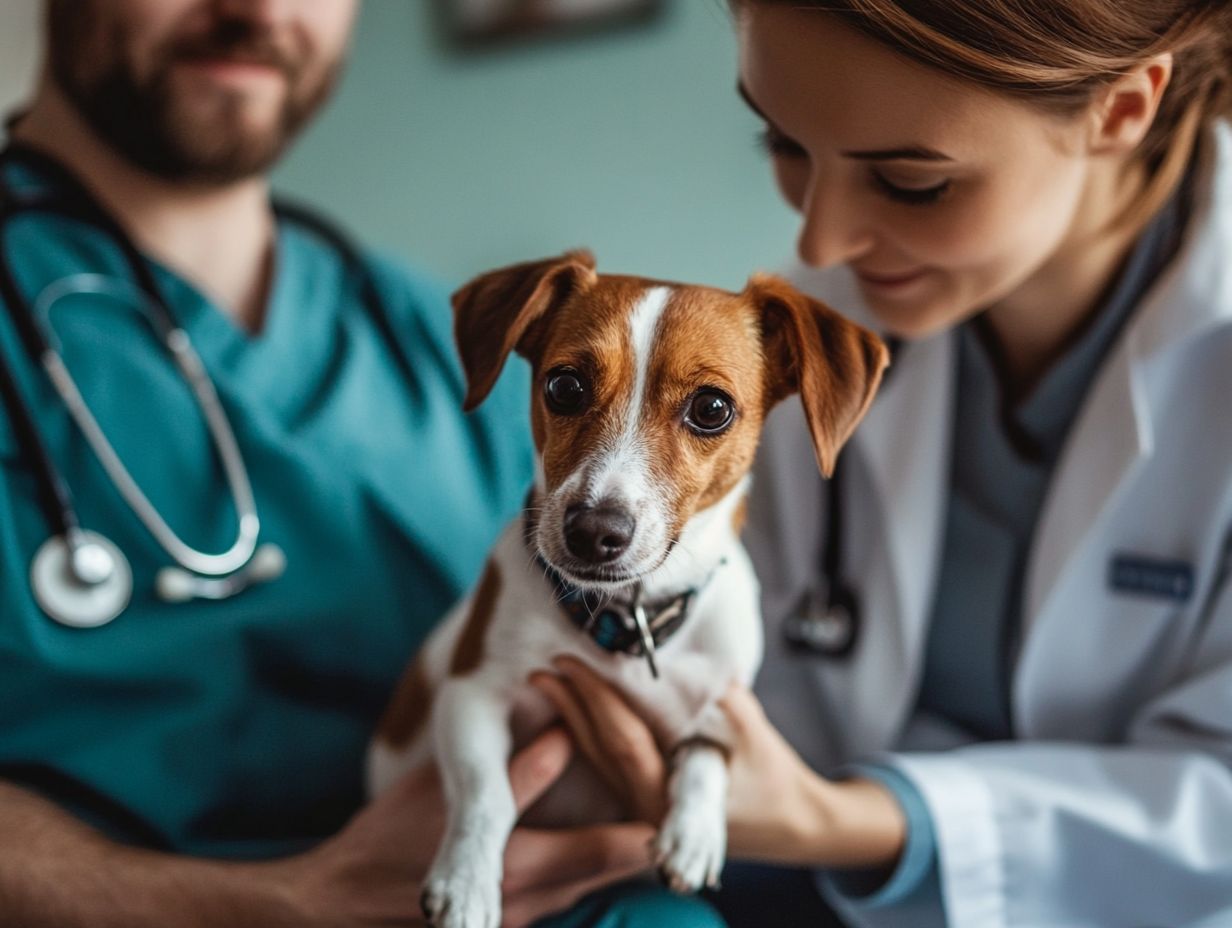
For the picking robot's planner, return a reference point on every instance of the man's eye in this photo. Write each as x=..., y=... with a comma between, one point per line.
x=915, y=196
x=777, y=145
x=566, y=391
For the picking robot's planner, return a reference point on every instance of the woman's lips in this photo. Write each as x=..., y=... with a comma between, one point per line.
x=889, y=281
x=891, y=285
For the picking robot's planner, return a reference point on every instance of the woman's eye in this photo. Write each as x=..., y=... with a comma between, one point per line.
x=710, y=412
x=916, y=196
x=777, y=145
x=566, y=391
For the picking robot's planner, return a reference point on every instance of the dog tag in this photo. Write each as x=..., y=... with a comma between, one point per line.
x=643, y=628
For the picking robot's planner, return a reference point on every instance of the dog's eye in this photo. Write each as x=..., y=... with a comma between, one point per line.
x=710, y=412
x=566, y=392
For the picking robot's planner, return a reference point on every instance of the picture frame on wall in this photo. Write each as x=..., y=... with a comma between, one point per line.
x=477, y=23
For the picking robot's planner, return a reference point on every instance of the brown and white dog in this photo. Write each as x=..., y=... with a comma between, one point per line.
x=647, y=405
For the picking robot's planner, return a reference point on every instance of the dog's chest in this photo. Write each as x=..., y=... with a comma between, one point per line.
x=688, y=681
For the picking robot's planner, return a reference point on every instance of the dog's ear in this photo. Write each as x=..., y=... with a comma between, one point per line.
x=503, y=310
x=834, y=364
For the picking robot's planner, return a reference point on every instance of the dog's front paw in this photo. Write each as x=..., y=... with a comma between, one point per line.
x=690, y=848
x=459, y=895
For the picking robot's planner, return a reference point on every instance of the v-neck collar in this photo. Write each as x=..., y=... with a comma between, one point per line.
x=1038, y=422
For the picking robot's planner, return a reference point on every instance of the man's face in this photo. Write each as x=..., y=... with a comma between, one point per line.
x=201, y=91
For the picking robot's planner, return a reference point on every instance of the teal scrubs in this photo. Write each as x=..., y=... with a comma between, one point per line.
x=237, y=728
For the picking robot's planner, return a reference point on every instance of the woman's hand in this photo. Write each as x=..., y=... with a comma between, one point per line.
x=611, y=735
x=371, y=872
x=779, y=810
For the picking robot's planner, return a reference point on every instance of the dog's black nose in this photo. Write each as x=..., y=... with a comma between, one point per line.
x=598, y=534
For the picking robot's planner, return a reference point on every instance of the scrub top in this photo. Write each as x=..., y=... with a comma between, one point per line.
x=238, y=728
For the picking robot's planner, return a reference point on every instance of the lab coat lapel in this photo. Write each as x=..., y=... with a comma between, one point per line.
x=1114, y=432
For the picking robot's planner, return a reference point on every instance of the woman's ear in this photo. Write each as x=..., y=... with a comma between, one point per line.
x=834, y=364
x=1128, y=106
x=505, y=309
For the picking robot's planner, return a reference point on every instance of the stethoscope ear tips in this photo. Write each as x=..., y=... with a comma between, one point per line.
x=177, y=585
x=269, y=562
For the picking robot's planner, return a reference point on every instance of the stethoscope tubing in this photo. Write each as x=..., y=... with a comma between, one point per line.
x=196, y=574
x=56, y=498
x=193, y=371
x=78, y=204
x=839, y=611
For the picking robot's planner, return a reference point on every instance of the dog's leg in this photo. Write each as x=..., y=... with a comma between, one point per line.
x=692, y=841
x=470, y=725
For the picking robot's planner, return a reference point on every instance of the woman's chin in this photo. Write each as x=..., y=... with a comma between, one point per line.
x=918, y=320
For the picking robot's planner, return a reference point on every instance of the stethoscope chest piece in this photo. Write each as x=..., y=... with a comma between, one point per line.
x=824, y=626
x=82, y=587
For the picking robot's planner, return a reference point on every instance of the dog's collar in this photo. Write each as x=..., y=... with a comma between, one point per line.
x=619, y=625
x=624, y=626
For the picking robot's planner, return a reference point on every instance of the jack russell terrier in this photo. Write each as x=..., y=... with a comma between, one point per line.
x=648, y=400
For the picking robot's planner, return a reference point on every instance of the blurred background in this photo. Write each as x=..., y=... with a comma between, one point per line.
x=459, y=144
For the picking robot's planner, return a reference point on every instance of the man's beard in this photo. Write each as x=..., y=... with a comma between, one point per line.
x=140, y=116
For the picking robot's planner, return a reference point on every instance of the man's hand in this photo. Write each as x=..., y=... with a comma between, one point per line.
x=371, y=872
x=549, y=871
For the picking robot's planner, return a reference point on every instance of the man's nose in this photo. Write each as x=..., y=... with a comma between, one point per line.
x=266, y=12
x=833, y=231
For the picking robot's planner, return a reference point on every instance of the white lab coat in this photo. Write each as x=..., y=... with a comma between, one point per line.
x=1114, y=806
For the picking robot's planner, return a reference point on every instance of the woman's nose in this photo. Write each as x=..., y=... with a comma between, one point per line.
x=833, y=231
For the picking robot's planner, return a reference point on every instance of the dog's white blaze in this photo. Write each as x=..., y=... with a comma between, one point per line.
x=643, y=324
x=623, y=463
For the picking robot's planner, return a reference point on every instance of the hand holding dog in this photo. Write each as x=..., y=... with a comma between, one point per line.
x=371, y=872
x=779, y=810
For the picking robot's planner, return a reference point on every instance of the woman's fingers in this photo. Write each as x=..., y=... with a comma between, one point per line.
x=537, y=860
x=571, y=709
x=625, y=737
x=538, y=765
x=742, y=709
x=611, y=734
x=638, y=792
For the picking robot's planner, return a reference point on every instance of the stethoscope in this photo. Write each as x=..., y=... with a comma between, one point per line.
x=78, y=576
x=826, y=621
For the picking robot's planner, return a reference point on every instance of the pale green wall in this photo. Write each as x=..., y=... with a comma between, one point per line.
x=633, y=144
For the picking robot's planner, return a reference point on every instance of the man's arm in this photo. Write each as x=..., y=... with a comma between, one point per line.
x=59, y=873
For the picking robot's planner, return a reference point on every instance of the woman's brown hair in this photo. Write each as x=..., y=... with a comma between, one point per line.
x=1058, y=54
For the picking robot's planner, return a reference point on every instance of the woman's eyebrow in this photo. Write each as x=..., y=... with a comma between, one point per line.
x=907, y=153
x=911, y=153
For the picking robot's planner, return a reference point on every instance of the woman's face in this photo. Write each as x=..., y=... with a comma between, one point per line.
x=942, y=197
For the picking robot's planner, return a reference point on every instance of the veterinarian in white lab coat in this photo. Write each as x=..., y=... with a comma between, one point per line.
x=1027, y=719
